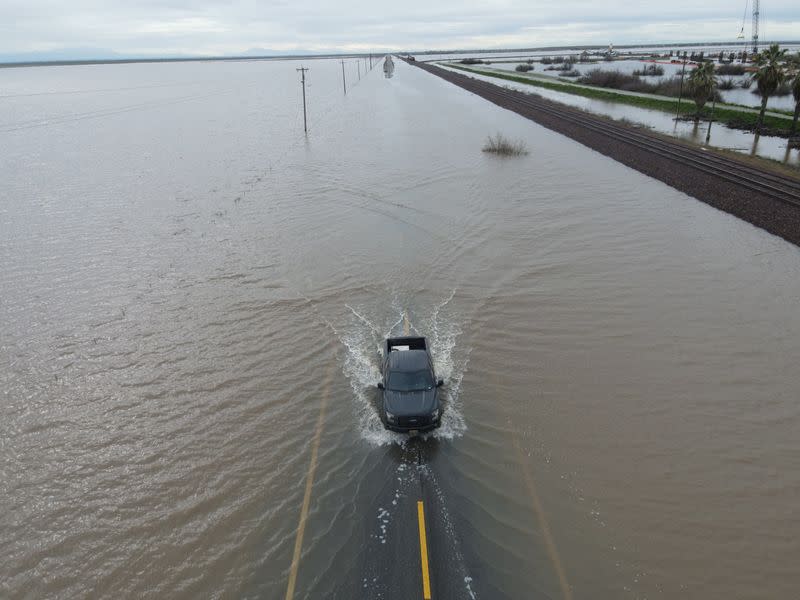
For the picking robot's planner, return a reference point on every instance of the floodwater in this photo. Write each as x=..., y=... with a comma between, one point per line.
x=194, y=293
x=744, y=142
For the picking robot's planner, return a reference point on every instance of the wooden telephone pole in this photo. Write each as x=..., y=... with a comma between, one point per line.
x=344, y=83
x=303, y=81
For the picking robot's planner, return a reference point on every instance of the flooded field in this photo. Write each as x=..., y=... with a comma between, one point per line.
x=194, y=296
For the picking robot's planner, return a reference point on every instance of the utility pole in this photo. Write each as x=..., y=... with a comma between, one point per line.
x=680, y=94
x=359, y=70
x=344, y=83
x=303, y=81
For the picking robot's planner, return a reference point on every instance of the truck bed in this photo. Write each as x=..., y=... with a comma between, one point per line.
x=405, y=343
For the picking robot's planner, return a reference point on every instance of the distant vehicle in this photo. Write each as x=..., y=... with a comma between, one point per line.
x=410, y=394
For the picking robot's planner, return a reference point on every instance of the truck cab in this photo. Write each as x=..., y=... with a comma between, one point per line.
x=409, y=390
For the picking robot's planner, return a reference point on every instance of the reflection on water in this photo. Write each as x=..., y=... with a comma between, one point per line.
x=388, y=67
x=754, y=149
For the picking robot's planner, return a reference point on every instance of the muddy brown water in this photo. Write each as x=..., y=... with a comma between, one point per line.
x=185, y=277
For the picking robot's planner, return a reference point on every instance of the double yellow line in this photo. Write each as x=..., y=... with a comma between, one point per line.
x=538, y=509
x=312, y=468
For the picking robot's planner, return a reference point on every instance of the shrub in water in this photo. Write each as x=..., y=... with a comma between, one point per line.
x=523, y=68
x=501, y=145
x=650, y=71
x=730, y=70
x=630, y=83
x=783, y=89
x=609, y=79
x=726, y=84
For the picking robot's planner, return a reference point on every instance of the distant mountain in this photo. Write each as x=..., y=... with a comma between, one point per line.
x=267, y=52
x=104, y=54
x=62, y=54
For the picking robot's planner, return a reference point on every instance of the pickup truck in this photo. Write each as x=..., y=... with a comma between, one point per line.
x=410, y=390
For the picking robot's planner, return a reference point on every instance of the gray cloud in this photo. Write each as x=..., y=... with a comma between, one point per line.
x=204, y=27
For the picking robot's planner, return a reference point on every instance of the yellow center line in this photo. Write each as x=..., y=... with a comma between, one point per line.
x=312, y=467
x=406, y=324
x=538, y=509
x=423, y=552
x=550, y=543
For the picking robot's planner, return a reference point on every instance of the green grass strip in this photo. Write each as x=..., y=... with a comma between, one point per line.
x=731, y=116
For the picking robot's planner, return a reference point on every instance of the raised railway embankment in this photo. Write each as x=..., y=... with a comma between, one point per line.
x=765, y=198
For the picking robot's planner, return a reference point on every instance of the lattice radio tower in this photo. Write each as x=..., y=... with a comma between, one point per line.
x=755, y=26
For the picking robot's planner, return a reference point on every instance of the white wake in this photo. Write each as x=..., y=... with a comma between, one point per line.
x=363, y=335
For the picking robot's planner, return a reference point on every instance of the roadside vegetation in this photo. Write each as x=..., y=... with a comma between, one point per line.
x=784, y=89
x=730, y=116
x=617, y=80
x=524, y=68
x=730, y=69
x=499, y=144
x=556, y=60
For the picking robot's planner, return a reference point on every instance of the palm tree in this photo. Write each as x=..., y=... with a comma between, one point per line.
x=701, y=82
x=768, y=77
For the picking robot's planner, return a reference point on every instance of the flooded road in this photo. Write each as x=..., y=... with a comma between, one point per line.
x=194, y=296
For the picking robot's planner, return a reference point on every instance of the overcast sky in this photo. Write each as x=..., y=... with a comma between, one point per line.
x=210, y=27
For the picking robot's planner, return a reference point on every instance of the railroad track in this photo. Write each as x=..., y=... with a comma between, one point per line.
x=778, y=187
